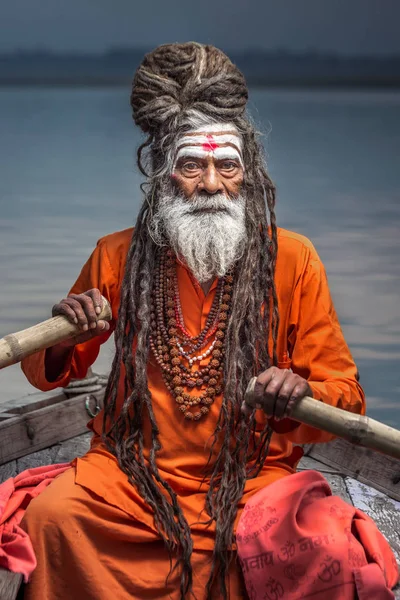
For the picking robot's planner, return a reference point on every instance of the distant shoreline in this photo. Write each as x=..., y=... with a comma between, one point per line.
x=116, y=67
x=271, y=82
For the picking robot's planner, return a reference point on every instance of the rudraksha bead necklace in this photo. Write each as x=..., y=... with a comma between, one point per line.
x=175, y=349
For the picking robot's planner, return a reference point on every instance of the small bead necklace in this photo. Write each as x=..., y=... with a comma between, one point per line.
x=169, y=338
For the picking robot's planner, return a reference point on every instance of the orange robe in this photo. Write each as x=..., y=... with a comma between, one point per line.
x=93, y=533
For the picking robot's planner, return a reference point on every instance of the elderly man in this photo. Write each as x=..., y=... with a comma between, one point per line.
x=206, y=292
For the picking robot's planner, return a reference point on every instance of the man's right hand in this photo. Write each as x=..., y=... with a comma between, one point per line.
x=83, y=310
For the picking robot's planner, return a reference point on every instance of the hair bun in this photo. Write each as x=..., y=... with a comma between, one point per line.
x=177, y=77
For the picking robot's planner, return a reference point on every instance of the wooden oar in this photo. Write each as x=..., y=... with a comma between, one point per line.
x=16, y=346
x=357, y=429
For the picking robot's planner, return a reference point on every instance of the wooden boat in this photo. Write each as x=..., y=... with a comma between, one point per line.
x=47, y=428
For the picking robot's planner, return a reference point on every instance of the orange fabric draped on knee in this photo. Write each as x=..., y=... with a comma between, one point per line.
x=88, y=547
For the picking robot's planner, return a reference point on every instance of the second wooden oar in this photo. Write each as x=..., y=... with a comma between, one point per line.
x=16, y=346
x=357, y=429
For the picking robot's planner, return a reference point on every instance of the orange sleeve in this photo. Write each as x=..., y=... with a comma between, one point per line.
x=96, y=273
x=319, y=352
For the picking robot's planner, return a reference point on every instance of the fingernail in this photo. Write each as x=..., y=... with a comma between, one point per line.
x=93, y=325
x=76, y=320
x=98, y=310
x=85, y=327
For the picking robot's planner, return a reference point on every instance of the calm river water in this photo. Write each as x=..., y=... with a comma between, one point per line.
x=67, y=177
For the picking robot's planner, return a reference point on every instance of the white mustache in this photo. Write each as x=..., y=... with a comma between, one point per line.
x=203, y=202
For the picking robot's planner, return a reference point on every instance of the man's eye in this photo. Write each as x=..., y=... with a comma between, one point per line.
x=190, y=166
x=228, y=165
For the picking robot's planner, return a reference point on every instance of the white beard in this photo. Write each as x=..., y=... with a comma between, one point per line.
x=208, y=242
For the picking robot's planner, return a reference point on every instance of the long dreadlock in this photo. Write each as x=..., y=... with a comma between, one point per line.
x=175, y=85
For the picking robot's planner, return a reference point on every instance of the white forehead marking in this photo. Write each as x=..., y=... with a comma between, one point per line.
x=216, y=127
x=219, y=153
x=221, y=140
x=209, y=139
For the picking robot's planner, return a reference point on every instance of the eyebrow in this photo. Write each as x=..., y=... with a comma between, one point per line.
x=203, y=157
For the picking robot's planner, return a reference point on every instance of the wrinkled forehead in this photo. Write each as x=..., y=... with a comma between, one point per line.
x=220, y=140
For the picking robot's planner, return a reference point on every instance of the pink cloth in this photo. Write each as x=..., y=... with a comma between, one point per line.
x=295, y=540
x=16, y=552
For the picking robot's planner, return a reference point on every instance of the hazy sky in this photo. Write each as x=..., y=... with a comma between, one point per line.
x=344, y=26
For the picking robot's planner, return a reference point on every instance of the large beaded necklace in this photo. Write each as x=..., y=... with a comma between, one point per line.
x=177, y=352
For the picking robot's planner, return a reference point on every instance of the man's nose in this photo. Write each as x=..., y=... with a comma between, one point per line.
x=210, y=181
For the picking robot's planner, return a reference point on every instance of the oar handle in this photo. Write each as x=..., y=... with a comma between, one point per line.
x=16, y=346
x=357, y=429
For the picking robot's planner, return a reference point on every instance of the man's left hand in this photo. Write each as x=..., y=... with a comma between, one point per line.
x=277, y=391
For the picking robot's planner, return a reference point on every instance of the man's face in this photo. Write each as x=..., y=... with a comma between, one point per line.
x=209, y=162
x=204, y=217
x=208, y=175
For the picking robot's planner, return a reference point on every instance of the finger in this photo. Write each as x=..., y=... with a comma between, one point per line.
x=280, y=407
x=300, y=390
x=272, y=391
x=284, y=395
x=87, y=304
x=66, y=311
x=256, y=400
x=97, y=299
x=101, y=327
x=289, y=407
x=78, y=310
x=75, y=306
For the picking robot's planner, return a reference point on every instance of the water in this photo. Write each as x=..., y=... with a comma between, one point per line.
x=67, y=177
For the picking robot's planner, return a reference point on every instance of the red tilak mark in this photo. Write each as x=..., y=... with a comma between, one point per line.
x=210, y=145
